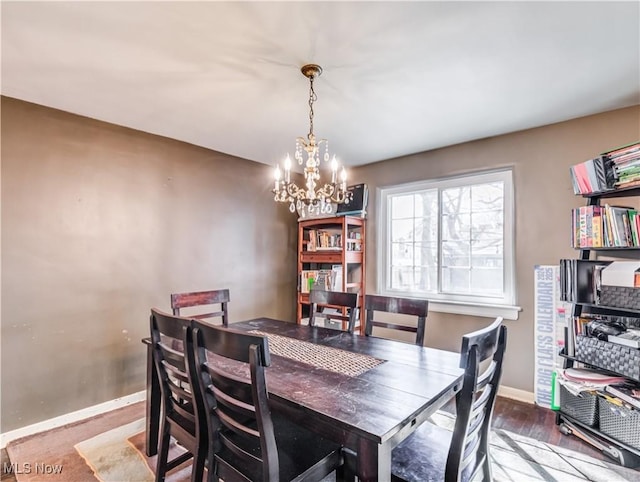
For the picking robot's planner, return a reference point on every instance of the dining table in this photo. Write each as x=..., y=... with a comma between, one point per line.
x=364, y=392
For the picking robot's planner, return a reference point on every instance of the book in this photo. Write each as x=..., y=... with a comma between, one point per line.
x=590, y=377
x=631, y=147
x=626, y=393
x=629, y=338
x=311, y=246
x=336, y=277
x=307, y=279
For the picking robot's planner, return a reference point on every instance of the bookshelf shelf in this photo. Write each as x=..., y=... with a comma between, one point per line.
x=615, y=443
x=611, y=310
x=335, y=245
x=577, y=279
x=623, y=192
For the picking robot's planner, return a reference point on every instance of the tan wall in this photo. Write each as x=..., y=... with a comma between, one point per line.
x=100, y=223
x=543, y=199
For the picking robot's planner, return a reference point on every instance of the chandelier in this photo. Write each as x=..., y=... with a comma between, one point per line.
x=313, y=193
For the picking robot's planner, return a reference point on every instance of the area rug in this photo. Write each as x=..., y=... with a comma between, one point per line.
x=518, y=458
x=116, y=454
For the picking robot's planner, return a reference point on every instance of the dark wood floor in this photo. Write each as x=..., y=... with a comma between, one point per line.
x=5, y=474
x=538, y=423
x=518, y=417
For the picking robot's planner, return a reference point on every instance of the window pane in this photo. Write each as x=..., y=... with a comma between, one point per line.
x=402, y=254
x=414, y=241
x=402, y=207
x=427, y=278
x=455, y=256
x=402, y=230
x=456, y=200
x=489, y=196
x=487, y=281
x=456, y=226
x=426, y=254
x=488, y=253
x=402, y=278
x=426, y=203
x=455, y=280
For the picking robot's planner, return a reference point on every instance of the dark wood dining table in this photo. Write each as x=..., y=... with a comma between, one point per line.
x=385, y=391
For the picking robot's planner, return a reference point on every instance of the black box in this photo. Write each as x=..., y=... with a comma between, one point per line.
x=609, y=356
x=620, y=297
x=583, y=408
x=620, y=423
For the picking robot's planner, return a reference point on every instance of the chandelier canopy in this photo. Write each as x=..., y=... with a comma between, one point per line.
x=313, y=193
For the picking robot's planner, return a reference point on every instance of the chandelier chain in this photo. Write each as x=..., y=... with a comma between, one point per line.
x=312, y=98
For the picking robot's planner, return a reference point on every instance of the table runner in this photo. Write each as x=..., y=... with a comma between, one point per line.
x=327, y=358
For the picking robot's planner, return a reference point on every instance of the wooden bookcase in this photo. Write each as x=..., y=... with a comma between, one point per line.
x=333, y=245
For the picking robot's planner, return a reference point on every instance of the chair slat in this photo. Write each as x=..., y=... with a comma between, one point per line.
x=377, y=304
x=203, y=298
x=320, y=299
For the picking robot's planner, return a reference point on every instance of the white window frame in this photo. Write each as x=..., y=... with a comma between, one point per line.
x=446, y=302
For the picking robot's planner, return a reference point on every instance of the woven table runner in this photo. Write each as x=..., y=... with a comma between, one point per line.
x=327, y=358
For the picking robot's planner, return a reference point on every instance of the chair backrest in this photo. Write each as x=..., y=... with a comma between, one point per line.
x=237, y=411
x=404, y=306
x=321, y=299
x=168, y=335
x=475, y=401
x=202, y=298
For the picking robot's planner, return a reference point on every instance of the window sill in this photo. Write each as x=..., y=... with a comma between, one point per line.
x=489, y=311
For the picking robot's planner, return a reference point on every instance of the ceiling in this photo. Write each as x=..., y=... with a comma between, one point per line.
x=398, y=78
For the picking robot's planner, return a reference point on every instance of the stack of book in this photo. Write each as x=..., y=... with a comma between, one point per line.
x=615, y=169
x=324, y=279
x=617, y=390
x=605, y=227
x=625, y=163
x=627, y=393
x=592, y=176
x=321, y=240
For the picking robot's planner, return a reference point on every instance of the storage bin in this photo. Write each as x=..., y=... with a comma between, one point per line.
x=620, y=297
x=583, y=408
x=620, y=423
x=620, y=359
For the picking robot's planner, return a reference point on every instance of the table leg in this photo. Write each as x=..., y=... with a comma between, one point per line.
x=374, y=461
x=153, y=406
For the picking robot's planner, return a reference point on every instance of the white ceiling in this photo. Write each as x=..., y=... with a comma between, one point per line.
x=398, y=78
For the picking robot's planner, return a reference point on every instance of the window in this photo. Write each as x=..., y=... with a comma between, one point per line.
x=450, y=240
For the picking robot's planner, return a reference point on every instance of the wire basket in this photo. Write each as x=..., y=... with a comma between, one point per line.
x=620, y=423
x=609, y=356
x=583, y=408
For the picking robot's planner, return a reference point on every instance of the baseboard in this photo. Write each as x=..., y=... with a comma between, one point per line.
x=72, y=417
x=516, y=394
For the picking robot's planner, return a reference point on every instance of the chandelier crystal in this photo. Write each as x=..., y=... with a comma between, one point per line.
x=313, y=193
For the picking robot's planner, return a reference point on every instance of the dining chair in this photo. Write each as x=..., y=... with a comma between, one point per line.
x=405, y=306
x=320, y=300
x=248, y=441
x=434, y=454
x=203, y=298
x=179, y=418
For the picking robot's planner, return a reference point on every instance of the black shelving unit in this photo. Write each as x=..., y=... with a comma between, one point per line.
x=623, y=453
